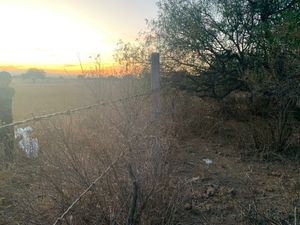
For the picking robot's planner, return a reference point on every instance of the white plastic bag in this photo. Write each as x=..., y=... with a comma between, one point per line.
x=28, y=144
x=208, y=161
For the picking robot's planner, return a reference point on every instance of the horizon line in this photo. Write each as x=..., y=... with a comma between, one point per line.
x=72, y=69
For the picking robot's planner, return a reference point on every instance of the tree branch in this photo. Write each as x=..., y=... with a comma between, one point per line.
x=132, y=210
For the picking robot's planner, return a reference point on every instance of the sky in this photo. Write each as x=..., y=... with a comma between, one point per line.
x=58, y=34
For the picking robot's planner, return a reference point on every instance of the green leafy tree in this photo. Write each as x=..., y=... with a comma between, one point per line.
x=229, y=44
x=237, y=45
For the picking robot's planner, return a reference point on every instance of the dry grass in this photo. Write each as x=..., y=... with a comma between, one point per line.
x=75, y=149
x=161, y=179
x=48, y=96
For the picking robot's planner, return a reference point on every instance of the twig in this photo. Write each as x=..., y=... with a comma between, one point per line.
x=60, y=218
x=133, y=207
x=295, y=216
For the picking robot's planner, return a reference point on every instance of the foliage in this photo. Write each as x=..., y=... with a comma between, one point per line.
x=223, y=47
x=34, y=73
x=134, y=57
x=229, y=46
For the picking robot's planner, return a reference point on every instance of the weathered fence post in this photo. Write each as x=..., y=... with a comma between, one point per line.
x=155, y=84
x=7, y=135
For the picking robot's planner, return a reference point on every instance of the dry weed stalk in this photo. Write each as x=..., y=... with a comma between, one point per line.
x=75, y=149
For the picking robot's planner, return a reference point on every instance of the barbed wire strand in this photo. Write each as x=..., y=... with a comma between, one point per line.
x=74, y=110
x=61, y=218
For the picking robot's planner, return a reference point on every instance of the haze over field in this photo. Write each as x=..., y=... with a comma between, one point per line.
x=53, y=35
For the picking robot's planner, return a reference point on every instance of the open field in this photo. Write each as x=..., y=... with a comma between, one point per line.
x=199, y=124
x=51, y=95
x=160, y=179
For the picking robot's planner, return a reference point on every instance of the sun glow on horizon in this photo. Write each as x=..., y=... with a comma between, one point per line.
x=40, y=36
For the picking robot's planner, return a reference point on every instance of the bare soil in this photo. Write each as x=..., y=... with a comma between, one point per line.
x=228, y=191
x=233, y=191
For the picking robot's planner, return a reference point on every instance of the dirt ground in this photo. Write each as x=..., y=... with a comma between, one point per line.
x=233, y=191
x=218, y=186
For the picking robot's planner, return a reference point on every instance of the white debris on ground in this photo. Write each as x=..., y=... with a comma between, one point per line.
x=28, y=144
x=208, y=161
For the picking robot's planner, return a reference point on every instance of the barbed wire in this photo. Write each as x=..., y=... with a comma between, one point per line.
x=74, y=110
x=62, y=216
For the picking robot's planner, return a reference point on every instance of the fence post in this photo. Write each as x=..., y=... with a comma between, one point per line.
x=155, y=84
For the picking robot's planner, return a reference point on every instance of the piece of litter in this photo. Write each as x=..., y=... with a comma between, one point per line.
x=208, y=161
x=28, y=144
x=194, y=179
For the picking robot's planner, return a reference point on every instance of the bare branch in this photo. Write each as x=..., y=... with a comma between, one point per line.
x=61, y=218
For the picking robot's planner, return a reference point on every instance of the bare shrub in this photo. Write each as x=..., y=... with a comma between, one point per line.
x=269, y=136
x=264, y=128
x=75, y=149
x=187, y=115
x=260, y=211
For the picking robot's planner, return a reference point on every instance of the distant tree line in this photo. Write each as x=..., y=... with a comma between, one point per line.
x=34, y=73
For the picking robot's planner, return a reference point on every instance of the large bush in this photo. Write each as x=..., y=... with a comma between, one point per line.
x=227, y=46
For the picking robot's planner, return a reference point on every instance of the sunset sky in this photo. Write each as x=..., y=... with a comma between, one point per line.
x=55, y=34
